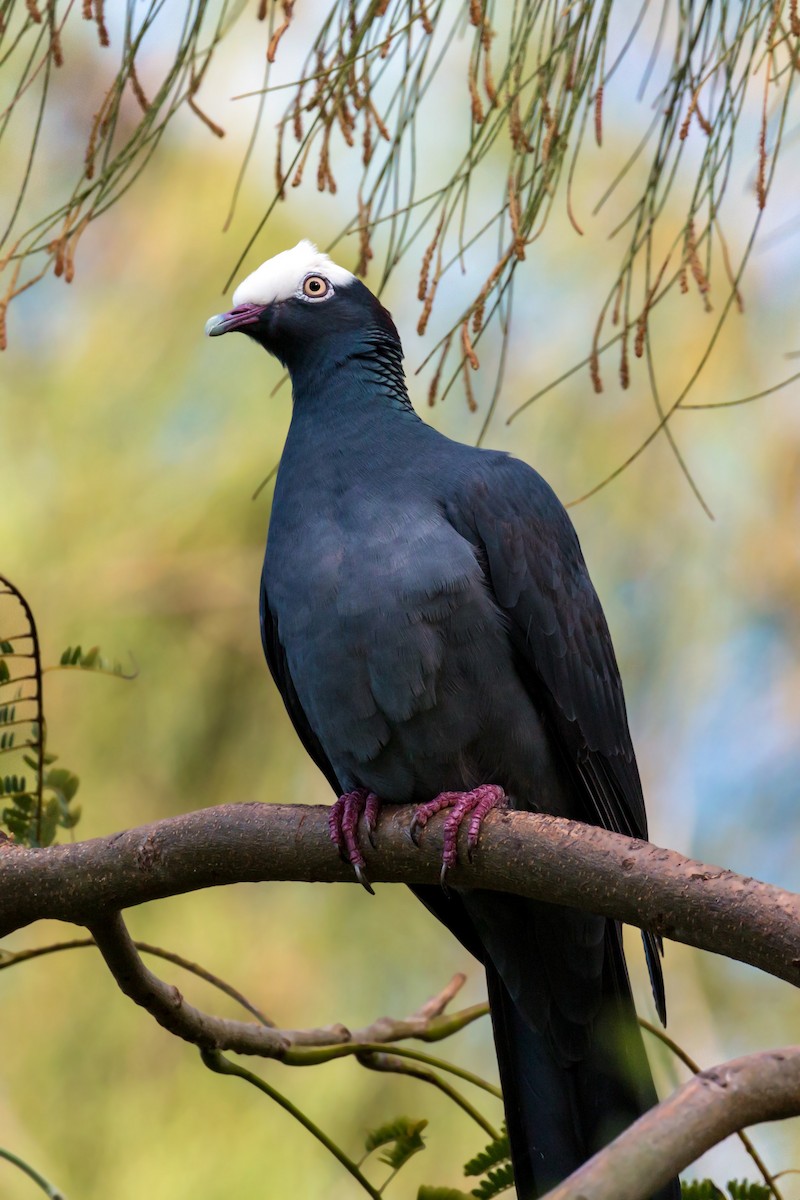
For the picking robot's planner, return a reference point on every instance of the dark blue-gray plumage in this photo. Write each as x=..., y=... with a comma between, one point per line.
x=429, y=620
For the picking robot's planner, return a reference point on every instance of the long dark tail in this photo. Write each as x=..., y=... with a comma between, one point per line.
x=560, y=1113
x=572, y=1061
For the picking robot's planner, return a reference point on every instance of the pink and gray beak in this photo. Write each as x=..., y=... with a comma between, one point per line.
x=237, y=318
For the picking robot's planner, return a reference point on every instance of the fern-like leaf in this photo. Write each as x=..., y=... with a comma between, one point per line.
x=442, y=1193
x=498, y=1151
x=33, y=814
x=496, y=1181
x=76, y=658
x=21, y=694
x=403, y=1137
x=737, y=1189
x=744, y=1190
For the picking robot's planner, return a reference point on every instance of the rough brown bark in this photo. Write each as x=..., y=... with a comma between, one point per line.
x=527, y=853
x=671, y=1136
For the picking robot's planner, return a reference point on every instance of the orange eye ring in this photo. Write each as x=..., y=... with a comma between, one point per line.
x=316, y=287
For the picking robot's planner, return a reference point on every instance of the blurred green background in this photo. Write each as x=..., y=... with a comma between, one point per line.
x=130, y=450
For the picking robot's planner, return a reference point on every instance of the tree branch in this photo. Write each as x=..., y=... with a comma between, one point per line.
x=715, y=1103
x=527, y=853
x=303, y=1047
x=712, y=1105
x=747, y=1142
x=165, y=1002
x=530, y=854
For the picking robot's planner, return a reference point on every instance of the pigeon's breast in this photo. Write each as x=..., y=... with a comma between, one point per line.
x=396, y=647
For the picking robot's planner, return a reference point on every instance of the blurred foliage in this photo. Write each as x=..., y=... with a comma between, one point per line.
x=705, y=1189
x=75, y=657
x=33, y=815
x=118, y=147
x=493, y=1164
x=497, y=1180
x=130, y=451
x=399, y=1139
x=441, y=1193
x=496, y=1152
x=33, y=818
x=743, y=1190
x=532, y=94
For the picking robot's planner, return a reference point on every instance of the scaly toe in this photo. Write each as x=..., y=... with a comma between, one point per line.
x=371, y=810
x=428, y=810
x=490, y=797
x=335, y=827
x=343, y=828
x=474, y=804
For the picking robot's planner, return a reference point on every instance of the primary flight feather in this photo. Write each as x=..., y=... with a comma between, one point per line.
x=429, y=620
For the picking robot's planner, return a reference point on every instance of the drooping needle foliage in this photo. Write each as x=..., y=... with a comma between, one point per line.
x=532, y=97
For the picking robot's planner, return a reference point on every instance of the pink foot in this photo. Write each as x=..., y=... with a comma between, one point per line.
x=475, y=805
x=343, y=827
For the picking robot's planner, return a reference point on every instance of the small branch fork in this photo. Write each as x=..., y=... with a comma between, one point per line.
x=710, y=1107
x=305, y=1047
x=714, y=1104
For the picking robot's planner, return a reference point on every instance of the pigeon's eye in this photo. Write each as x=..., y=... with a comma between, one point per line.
x=316, y=287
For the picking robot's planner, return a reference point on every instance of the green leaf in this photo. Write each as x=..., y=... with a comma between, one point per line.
x=32, y=818
x=49, y=822
x=700, y=1189
x=89, y=659
x=496, y=1181
x=17, y=825
x=403, y=1136
x=742, y=1190
x=65, y=783
x=93, y=660
x=498, y=1151
x=442, y=1193
x=70, y=819
x=738, y=1189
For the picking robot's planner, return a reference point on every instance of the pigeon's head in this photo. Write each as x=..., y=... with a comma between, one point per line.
x=306, y=310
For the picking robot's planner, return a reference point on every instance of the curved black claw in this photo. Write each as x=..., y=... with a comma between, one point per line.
x=460, y=805
x=361, y=876
x=343, y=828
